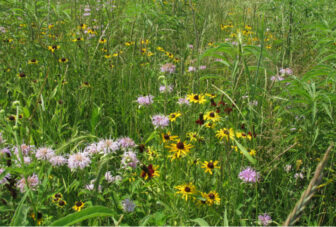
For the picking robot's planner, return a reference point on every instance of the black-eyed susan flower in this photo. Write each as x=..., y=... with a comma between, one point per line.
x=102, y=41
x=180, y=148
x=129, y=43
x=82, y=26
x=196, y=98
x=38, y=218
x=149, y=172
x=174, y=116
x=53, y=48
x=149, y=53
x=146, y=41
x=57, y=196
x=210, y=124
x=78, y=39
x=193, y=136
x=107, y=56
x=210, y=166
x=211, y=198
x=225, y=133
x=11, y=118
x=167, y=137
x=33, y=61
x=212, y=116
x=61, y=203
x=78, y=206
x=85, y=84
x=253, y=152
x=160, y=49
x=63, y=60
x=22, y=75
x=104, y=49
x=186, y=190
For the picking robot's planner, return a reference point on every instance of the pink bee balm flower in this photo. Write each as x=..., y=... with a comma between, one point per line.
x=33, y=181
x=265, y=219
x=168, y=68
x=44, y=153
x=58, y=160
x=160, y=121
x=78, y=160
x=249, y=175
x=145, y=100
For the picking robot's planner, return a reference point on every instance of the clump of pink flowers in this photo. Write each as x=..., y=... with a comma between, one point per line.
x=249, y=175
x=78, y=161
x=264, y=219
x=145, y=100
x=166, y=89
x=160, y=121
x=33, y=182
x=168, y=68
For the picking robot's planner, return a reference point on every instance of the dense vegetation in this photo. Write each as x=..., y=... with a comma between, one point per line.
x=176, y=112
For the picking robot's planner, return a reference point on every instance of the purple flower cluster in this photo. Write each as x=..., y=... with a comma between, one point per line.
x=145, y=100
x=129, y=159
x=33, y=182
x=166, y=89
x=286, y=71
x=264, y=219
x=78, y=160
x=249, y=175
x=160, y=121
x=128, y=205
x=168, y=68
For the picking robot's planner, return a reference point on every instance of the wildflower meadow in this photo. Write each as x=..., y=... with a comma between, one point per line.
x=167, y=112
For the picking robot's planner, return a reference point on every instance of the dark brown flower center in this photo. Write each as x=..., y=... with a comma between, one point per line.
x=12, y=118
x=210, y=165
x=78, y=204
x=33, y=60
x=180, y=146
x=78, y=39
x=22, y=75
x=187, y=189
x=58, y=195
x=226, y=132
x=166, y=136
x=173, y=115
x=54, y=47
x=212, y=114
x=61, y=203
x=63, y=59
x=196, y=97
x=211, y=196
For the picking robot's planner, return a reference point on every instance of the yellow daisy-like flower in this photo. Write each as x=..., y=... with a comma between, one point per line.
x=211, y=95
x=212, y=116
x=149, y=172
x=82, y=26
x=145, y=41
x=22, y=75
x=193, y=136
x=38, y=218
x=160, y=49
x=225, y=133
x=174, y=116
x=167, y=137
x=186, y=190
x=102, y=40
x=33, y=61
x=77, y=39
x=253, y=152
x=104, y=49
x=151, y=154
x=53, y=48
x=210, y=124
x=78, y=206
x=239, y=135
x=196, y=98
x=57, y=196
x=129, y=43
x=211, y=198
x=107, y=56
x=149, y=53
x=180, y=148
x=210, y=166
x=61, y=203
x=63, y=60
x=176, y=60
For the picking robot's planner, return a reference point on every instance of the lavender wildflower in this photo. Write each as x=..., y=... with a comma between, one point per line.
x=108, y=145
x=167, y=89
x=145, y=100
x=128, y=205
x=264, y=219
x=44, y=153
x=5, y=179
x=33, y=181
x=129, y=159
x=126, y=142
x=160, y=121
x=191, y=69
x=168, y=68
x=182, y=101
x=249, y=175
x=202, y=67
x=91, y=149
x=78, y=160
x=58, y=160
